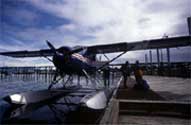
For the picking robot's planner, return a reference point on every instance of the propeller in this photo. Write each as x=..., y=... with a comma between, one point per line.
x=69, y=53
x=51, y=46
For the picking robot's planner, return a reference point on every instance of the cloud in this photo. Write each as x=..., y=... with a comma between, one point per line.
x=120, y=20
x=23, y=17
x=91, y=22
x=111, y=21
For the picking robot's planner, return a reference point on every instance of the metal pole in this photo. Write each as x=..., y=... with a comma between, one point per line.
x=150, y=53
x=168, y=60
x=146, y=59
x=189, y=25
x=161, y=55
x=158, y=59
x=168, y=55
x=146, y=63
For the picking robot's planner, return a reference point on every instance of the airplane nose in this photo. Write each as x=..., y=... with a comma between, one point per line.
x=60, y=59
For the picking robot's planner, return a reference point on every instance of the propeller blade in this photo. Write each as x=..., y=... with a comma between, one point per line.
x=50, y=46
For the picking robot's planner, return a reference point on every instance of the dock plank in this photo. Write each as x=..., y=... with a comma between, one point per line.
x=130, y=93
x=145, y=107
x=160, y=108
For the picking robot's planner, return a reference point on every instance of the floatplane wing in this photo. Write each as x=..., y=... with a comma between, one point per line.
x=26, y=53
x=141, y=45
x=111, y=48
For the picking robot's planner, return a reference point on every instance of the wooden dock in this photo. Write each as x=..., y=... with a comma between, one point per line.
x=129, y=106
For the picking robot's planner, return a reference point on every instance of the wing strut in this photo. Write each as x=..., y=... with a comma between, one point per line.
x=48, y=59
x=111, y=60
x=106, y=57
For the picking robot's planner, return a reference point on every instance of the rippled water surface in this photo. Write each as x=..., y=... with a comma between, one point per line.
x=16, y=84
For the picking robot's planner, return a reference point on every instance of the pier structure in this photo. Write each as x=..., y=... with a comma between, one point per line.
x=27, y=73
x=173, y=69
x=155, y=106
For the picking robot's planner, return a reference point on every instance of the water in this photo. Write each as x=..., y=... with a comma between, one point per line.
x=11, y=84
x=65, y=109
x=17, y=85
x=169, y=87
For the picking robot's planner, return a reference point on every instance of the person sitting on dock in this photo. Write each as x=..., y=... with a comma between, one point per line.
x=141, y=84
x=125, y=69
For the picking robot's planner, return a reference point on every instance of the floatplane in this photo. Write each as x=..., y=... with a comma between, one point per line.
x=80, y=61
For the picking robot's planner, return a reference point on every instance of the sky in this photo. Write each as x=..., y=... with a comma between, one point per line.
x=27, y=24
